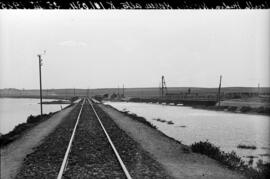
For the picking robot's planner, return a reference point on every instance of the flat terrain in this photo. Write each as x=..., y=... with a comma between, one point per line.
x=12, y=155
x=169, y=153
x=130, y=92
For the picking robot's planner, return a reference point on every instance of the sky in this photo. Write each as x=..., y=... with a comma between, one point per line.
x=106, y=49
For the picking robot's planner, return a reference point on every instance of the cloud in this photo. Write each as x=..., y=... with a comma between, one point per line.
x=72, y=43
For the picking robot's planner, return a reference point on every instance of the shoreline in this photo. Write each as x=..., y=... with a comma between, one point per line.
x=235, y=109
x=265, y=111
x=144, y=121
x=56, y=102
x=21, y=128
x=226, y=159
x=135, y=116
x=170, y=152
x=14, y=154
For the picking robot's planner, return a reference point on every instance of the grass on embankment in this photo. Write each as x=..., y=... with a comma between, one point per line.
x=138, y=118
x=231, y=160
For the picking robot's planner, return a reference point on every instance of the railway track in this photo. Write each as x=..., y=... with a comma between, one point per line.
x=89, y=134
x=79, y=147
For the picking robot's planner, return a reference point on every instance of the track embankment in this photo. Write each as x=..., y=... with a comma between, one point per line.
x=91, y=155
x=172, y=155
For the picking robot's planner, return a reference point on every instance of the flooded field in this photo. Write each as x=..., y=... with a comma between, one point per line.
x=224, y=129
x=16, y=110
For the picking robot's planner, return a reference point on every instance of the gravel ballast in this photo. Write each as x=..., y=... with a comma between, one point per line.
x=91, y=156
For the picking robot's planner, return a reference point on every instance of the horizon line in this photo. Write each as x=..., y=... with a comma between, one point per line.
x=134, y=88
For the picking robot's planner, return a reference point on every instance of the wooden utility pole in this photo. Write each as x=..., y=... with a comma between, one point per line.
x=219, y=88
x=40, y=84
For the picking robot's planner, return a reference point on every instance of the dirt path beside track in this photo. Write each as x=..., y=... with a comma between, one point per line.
x=168, y=152
x=12, y=155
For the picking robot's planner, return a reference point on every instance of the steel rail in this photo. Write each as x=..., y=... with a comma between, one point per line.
x=124, y=168
x=64, y=163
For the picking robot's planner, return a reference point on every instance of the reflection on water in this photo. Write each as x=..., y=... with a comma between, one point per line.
x=226, y=130
x=16, y=110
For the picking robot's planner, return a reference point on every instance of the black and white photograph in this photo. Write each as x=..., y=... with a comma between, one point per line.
x=162, y=94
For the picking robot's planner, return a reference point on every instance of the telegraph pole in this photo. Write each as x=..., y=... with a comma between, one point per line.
x=220, y=78
x=40, y=84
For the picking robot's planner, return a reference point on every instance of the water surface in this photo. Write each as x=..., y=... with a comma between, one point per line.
x=16, y=110
x=224, y=129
